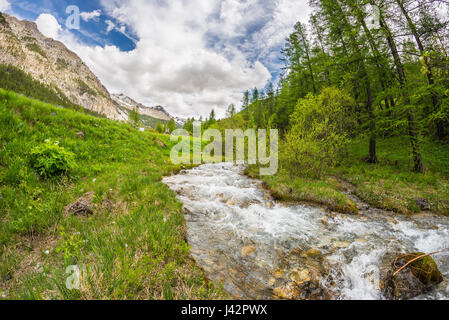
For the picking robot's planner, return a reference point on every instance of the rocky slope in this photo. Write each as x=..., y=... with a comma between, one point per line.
x=50, y=62
x=150, y=115
x=129, y=104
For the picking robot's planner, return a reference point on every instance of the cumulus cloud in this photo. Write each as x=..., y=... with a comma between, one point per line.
x=191, y=56
x=86, y=16
x=4, y=5
x=110, y=26
x=48, y=25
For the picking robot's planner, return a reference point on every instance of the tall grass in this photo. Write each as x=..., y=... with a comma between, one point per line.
x=132, y=247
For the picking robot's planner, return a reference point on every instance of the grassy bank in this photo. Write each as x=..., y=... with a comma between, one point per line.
x=132, y=246
x=286, y=187
x=388, y=185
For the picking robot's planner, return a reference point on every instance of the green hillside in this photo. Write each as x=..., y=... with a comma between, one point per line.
x=131, y=246
x=14, y=79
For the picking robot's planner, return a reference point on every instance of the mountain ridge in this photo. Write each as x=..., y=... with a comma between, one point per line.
x=23, y=46
x=50, y=62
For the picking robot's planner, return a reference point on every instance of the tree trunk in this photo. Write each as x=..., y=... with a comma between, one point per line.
x=429, y=72
x=372, y=157
x=413, y=132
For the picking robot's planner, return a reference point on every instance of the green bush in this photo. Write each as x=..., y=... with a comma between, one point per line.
x=51, y=160
x=159, y=128
x=319, y=131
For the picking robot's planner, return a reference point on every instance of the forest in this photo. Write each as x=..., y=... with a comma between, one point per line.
x=387, y=60
x=363, y=96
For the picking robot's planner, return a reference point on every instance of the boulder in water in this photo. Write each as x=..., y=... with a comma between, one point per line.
x=419, y=277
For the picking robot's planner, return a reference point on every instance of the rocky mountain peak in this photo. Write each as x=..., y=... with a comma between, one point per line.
x=49, y=61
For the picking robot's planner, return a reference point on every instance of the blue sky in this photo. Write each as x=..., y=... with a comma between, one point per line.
x=188, y=55
x=92, y=32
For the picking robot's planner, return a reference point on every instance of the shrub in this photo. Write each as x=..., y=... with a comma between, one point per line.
x=34, y=47
x=134, y=118
x=319, y=130
x=159, y=128
x=84, y=88
x=172, y=125
x=3, y=21
x=51, y=160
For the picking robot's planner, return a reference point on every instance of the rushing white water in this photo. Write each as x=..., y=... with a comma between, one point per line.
x=254, y=245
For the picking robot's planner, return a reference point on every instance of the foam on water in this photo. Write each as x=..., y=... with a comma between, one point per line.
x=227, y=212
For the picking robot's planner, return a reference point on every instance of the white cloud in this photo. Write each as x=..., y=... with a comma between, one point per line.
x=189, y=56
x=4, y=5
x=86, y=16
x=110, y=26
x=48, y=25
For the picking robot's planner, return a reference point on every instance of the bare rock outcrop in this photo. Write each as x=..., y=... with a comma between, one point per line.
x=49, y=61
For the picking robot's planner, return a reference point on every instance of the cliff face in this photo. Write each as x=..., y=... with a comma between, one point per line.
x=50, y=62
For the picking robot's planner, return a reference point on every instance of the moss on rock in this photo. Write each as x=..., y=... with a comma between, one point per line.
x=419, y=277
x=425, y=269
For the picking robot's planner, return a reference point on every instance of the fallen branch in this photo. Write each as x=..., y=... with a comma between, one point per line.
x=419, y=258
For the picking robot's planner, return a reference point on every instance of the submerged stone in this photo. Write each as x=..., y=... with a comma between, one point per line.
x=288, y=291
x=312, y=253
x=300, y=276
x=248, y=250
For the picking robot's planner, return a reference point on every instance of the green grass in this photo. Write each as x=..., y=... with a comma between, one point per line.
x=286, y=187
x=389, y=185
x=132, y=247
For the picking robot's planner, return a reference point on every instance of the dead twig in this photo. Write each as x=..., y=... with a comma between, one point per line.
x=419, y=258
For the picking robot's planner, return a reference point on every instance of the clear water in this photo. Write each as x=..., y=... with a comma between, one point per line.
x=253, y=245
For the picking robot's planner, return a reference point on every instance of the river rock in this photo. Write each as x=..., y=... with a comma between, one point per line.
x=248, y=250
x=392, y=220
x=341, y=244
x=287, y=291
x=416, y=279
x=423, y=204
x=325, y=221
x=300, y=276
x=278, y=274
x=313, y=290
x=312, y=253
